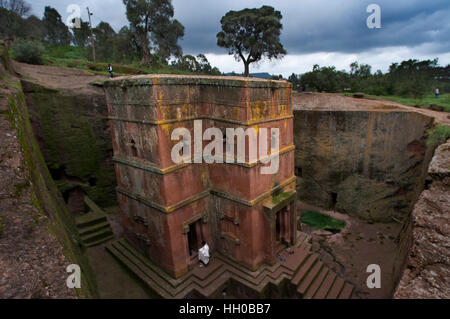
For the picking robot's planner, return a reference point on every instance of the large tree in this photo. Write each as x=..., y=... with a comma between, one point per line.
x=126, y=49
x=57, y=33
x=105, y=41
x=11, y=24
x=17, y=6
x=252, y=34
x=155, y=28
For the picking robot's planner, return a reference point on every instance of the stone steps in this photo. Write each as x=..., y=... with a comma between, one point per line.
x=325, y=286
x=83, y=231
x=93, y=229
x=164, y=285
x=315, y=280
x=335, y=289
x=89, y=219
x=303, y=269
x=99, y=241
x=317, y=283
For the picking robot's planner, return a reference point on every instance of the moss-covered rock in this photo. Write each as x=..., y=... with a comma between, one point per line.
x=75, y=140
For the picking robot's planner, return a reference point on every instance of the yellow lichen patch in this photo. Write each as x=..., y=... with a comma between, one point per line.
x=259, y=110
x=167, y=129
x=236, y=113
x=282, y=108
x=165, y=112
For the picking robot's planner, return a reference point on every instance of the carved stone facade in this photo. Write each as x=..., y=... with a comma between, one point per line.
x=168, y=209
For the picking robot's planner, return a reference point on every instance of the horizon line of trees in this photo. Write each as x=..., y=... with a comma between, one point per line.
x=410, y=78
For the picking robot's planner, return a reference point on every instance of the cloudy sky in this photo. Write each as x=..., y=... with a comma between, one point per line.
x=324, y=32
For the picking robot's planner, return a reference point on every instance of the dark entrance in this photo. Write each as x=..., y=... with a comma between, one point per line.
x=281, y=225
x=194, y=238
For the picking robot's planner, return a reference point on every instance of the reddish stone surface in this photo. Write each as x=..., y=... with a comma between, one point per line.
x=226, y=205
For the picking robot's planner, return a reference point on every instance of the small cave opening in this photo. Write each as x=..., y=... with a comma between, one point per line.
x=298, y=172
x=428, y=182
x=334, y=199
x=74, y=199
x=58, y=173
x=92, y=181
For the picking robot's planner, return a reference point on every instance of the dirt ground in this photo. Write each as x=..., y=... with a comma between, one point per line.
x=57, y=77
x=331, y=101
x=358, y=245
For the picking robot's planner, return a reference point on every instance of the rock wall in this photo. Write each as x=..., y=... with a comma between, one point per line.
x=369, y=164
x=427, y=274
x=73, y=134
x=46, y=196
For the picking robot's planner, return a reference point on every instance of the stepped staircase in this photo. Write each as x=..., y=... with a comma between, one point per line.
x=302, y=270
x=93, y=227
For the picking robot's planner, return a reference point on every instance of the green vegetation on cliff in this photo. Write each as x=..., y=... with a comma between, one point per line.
x=76, y=142
x=438, y=135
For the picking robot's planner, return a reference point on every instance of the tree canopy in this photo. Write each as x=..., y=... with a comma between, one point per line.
x=57, y=33
x=252, y=34
x=155, y=28
x=19, y=7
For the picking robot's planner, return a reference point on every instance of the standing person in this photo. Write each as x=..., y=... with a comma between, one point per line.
x=110, y=70
x=437, y=93
x=203, y=254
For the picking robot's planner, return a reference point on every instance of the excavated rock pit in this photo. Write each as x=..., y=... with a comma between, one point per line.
x=359, y=160
x=366, y=161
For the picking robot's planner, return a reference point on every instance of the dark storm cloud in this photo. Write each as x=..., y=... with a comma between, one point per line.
x=309, y=25
x=330, y=26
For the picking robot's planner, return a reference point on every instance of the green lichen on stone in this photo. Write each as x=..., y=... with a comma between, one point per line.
x=278, y=198
x=74, y=143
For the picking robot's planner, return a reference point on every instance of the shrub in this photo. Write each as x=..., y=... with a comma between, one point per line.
x=438, y=135
x=28, y=51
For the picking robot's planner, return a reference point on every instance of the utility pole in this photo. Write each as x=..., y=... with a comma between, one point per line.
x=92, y=33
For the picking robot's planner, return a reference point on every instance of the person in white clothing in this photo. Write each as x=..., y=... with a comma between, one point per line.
x=110, y=70
x=203, y=254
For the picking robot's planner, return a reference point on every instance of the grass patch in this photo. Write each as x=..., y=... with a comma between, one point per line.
x=74, y=57
x=443, y=100
x=438, y=135
x=321, y=221
x=1, y=225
